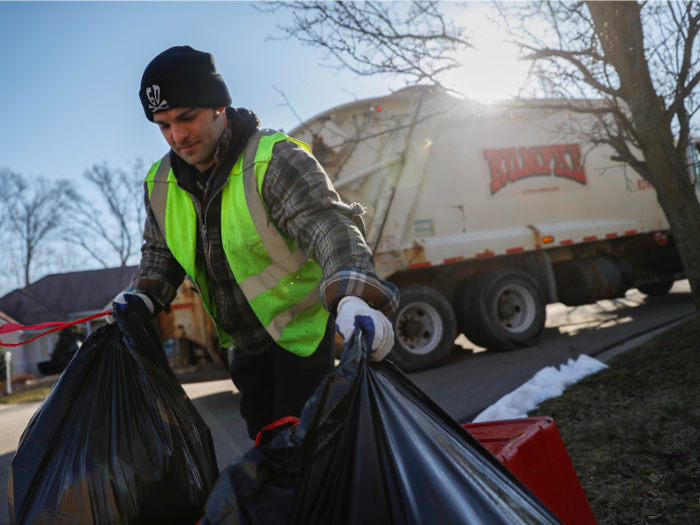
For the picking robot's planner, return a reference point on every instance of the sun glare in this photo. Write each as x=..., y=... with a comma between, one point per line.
x=491, y=70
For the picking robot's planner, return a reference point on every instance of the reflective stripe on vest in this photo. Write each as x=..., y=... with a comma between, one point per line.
x=278, y=280
x=285, y=262
x=177, y=221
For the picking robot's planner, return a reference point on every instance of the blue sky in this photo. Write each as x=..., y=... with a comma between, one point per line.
x=70, y=73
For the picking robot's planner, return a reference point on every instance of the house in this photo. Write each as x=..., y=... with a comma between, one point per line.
x=187, y=332
x=58, y=297
x=12, y=338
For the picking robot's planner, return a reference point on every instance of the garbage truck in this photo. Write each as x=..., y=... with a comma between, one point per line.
x=482, y=214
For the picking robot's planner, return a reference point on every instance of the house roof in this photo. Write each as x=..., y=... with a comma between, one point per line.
x=59, y=296
x=4, y=318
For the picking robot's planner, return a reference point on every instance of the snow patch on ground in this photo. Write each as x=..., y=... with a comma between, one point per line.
x=547, y=383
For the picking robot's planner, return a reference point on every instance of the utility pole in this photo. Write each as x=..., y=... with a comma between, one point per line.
x=8, y=371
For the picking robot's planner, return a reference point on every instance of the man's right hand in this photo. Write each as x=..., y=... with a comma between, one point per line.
x=135, y=301
x=354, y=313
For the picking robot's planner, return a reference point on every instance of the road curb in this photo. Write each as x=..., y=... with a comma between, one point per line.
x=607, y=352
x=611, y=350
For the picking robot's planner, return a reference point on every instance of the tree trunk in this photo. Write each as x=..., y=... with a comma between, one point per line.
x=28, y=260
x=619, y=27
x=683, y=214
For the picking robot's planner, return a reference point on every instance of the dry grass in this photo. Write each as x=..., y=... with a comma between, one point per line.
x=633, y=432
x=28, y=396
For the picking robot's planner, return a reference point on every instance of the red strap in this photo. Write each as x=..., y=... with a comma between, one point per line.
x=279, y=422
x=55, y=327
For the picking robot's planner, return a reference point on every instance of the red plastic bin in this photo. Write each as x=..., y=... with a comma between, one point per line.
x=532, y=449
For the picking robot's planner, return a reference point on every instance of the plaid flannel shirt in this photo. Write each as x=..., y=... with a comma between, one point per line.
x=306, y=207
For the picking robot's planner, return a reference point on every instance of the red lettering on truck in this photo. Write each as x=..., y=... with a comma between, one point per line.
x=498, y=177
x=579, y=173
x=513, y=169
x=508, y=165
x=546, y=155
x=561, y=167
x=531, y=162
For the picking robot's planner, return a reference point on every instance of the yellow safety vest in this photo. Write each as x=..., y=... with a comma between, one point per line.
x=278, y=280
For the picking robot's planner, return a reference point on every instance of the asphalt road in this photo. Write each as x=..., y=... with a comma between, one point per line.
x=470, y=381
x=467, y=384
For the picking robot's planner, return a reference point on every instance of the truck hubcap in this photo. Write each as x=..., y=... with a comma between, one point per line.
x=516, y=308
x=419, y=328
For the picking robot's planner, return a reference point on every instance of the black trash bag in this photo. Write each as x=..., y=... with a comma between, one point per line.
x=117, y=441
x=371, y=448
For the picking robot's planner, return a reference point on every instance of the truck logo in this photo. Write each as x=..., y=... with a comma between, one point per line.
x=509, y=165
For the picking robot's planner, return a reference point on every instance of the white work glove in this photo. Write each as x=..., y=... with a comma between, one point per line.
x=139, y=301
x=354, y=313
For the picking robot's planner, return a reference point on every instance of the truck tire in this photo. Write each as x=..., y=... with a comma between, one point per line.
x=504, y=309
x=425, y=329
x=656, y=289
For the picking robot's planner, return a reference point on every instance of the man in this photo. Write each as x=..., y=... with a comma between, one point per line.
x=252, y=218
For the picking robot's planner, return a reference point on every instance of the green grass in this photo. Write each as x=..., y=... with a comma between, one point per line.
x=633, y=432
x=29, y=396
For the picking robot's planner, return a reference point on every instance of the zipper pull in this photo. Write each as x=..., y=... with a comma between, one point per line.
x=205, y=235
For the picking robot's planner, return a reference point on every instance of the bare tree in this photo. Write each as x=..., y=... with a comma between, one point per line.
x=634, y=67
x=413, y=40
x=109, y=231
x=35, y=209
x=5, y=181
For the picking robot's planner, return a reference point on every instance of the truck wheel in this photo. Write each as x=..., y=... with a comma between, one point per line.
x=424, y=329
x=504, y=309
x=656, y=289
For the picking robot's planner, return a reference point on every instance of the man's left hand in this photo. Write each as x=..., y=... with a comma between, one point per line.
x=354, y=313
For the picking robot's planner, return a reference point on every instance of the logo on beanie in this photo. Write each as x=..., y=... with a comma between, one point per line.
x=153, y=94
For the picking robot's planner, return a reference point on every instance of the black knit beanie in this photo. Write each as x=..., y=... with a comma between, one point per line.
x=182, y=77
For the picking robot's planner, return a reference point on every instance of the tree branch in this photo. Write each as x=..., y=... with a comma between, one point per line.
x=570, y=56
